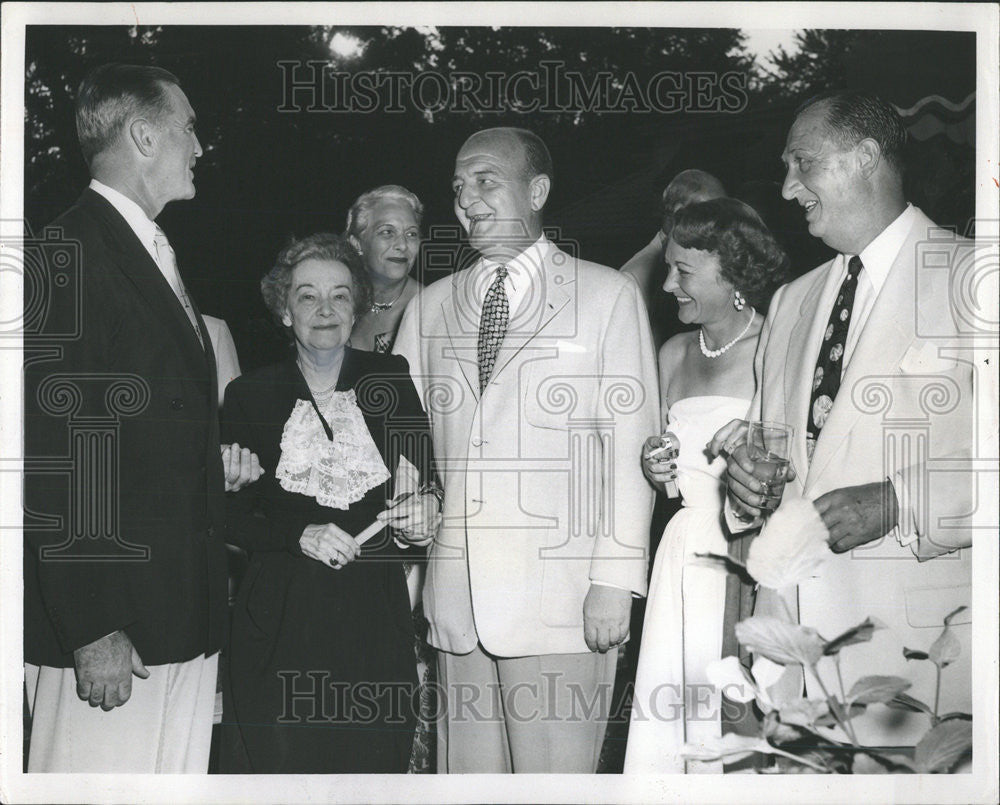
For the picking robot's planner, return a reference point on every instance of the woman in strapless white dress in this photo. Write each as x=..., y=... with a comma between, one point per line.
x=722, y=266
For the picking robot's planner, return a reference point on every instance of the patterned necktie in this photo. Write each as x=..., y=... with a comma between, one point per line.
x=830, y=364
x=168, y=265
x=492, y=326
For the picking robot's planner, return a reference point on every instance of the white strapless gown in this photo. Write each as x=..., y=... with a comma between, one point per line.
x=682, y=631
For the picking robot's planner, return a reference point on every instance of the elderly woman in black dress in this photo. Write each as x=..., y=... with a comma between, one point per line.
x=322, y=674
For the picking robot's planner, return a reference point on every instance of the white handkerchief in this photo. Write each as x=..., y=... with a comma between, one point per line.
x=791, y=546
x=923, y=358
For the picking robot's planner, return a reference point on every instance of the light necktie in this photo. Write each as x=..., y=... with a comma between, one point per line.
x=830, y=363
x=168, y=265
x=492, y=326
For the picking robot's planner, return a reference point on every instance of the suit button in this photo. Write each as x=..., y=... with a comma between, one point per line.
x=177, y=403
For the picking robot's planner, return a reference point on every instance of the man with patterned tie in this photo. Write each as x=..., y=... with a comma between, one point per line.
x=538, y=373
x=125, y=571
x=851, y=355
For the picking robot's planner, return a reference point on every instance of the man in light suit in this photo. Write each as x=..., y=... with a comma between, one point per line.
x=861, y=356
x=538, y=373
x=124, y=563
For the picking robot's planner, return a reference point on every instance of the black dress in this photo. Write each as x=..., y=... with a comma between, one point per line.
x=321, y=669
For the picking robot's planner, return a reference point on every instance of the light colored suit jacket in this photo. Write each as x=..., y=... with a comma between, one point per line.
x=544, y=491
x=904, y=411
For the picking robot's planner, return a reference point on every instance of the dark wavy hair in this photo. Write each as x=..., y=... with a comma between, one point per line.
x=749, y=257
x=276, y=283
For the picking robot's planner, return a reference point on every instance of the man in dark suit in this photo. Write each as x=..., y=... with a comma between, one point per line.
x=125, y=568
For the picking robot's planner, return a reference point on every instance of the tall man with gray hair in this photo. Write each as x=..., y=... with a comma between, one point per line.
x=124, y=566
x=538, y=373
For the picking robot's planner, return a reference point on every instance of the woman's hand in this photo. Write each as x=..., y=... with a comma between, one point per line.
x=415, y=517
x=330, y=545
x=659, y=462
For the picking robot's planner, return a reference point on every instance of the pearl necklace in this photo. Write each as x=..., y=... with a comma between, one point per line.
x=381, y=307
x=715, y=353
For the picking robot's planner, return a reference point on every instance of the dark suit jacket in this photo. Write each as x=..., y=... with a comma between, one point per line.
x=124, y=484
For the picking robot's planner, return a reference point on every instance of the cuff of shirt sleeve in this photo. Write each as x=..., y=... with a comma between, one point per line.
x=616, y=586
x=736, y=525
x=905, y=531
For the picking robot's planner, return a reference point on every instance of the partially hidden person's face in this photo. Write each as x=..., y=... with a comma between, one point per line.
x=391, y=242
x=320, y=306
x=822, y=176
x=177, y=148
x=695, y=280
x=493, y=196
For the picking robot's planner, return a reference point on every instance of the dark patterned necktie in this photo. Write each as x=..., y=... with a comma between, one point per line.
x=830, y=364
x=492, y=326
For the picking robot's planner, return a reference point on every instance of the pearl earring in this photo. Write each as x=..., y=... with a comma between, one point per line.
x=739, y=302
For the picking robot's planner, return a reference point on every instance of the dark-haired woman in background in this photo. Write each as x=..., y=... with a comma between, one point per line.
x=322, y=674
x=722, y=266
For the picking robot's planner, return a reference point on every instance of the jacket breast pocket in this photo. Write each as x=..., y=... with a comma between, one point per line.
x=927, y=607
x=560, y=395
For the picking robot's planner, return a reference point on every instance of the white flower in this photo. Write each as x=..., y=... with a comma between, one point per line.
x=730, y=677
x=791, y=547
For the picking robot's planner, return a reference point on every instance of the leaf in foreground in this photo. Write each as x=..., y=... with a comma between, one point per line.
x=942, y=747
x=904, y=701
x=871, y=689
x=779, y=641
x=861, y=633
x=804, y=712
x=733, y=747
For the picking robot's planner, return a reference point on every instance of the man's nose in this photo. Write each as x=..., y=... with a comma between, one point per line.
x=197, y=147
x=466, y=195
x=789, y=186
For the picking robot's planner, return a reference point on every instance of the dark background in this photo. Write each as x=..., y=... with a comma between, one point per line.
x=268, y=174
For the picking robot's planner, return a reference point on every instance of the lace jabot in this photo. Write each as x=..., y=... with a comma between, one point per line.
x=337, y=473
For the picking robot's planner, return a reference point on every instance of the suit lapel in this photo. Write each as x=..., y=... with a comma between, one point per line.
x=145, y=276
x=460, y=312
x=538, y=311
x=800, y=365
x=882, y=344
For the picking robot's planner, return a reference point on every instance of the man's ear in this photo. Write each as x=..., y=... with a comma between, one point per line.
x=143, y=136
x=869, y=156
x=539, y=191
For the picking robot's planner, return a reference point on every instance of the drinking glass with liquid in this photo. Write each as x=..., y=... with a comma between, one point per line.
x=769, y=447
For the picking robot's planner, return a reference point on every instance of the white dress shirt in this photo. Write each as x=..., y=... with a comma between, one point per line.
x=134, y=216
x=877, y=258
x=524, y=272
